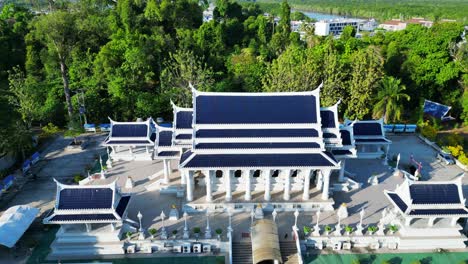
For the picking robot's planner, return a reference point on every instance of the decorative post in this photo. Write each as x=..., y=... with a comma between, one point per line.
x=229, y=211
x=342, y=213
x=109, y=160
x=186, y=231
x=317, y=227
x=296, y=215
x=163, y=229
x=208, y=229
x=103, y=176
x=359, y=227
x=141, y=235
x=274, y=214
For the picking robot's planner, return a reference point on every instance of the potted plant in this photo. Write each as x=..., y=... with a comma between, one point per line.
x=152, y=232
x=328, y=229
x=196, y=231
x=392, y=229
x=307, y=230
x=174, y=233
x=348, y=229
x=371, y=229
x=128, y=235
x=218, y=232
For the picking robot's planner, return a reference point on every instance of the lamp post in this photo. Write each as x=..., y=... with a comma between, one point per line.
x=163, y=229
x=229, y=211
x=252, y=215
x=186, y=232
x=141, y=235
x=109, y=161
x=317, y=227
x=274, y=214
x=208, y=229
x=296, y=215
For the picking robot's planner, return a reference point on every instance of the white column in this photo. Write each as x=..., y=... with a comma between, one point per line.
x=248, y=187
x=326, y=184
x=209, y=196
x=130, y=150
x=183, y=176
x=190, y=186
x=88, y=227
x=319, y=180
x=342, y=170
x=305, y=195
x=147, y=151
x=453, y=222
x=227, y=181
x=408, y=221
x=166, y=171
x=430, y=221
x=287, y=185
x=267, y=174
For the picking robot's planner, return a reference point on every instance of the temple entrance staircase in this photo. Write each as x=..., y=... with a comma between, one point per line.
x=289, y=252
x=242, y=252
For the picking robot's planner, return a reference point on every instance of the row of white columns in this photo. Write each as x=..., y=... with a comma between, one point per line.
x=323, y=179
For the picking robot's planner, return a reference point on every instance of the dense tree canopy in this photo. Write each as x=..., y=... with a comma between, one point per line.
x=129, y=58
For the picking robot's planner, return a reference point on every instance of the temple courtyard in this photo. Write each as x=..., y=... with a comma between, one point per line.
x=62, y=165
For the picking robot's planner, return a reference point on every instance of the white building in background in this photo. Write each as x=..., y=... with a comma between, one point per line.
x=335, y=27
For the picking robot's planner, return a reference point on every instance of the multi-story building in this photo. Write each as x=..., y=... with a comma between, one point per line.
x=335, y=27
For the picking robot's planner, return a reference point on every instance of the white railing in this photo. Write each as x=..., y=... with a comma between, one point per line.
x=298, y=245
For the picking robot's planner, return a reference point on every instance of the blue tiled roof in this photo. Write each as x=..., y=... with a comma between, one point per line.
x=255, y=133
x=184, y=119
x=328, y=118
x=83, y=217
x=267, y=109
x=258, y=160
x=184, y=136
x=129, y=142
x=329, y=135
x=398, y=201
x=129, y=130
x=185, y=156
x=373, y=140
x=434, y=193
x=85, y=198
x=367, y=129
x=165, y=138
x=256, y=145
x=341, y=152
x=168, y=153
x=439, y=212
x=345, y=137
x=123, y=203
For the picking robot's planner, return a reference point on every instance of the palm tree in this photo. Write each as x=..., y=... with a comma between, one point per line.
x=389, y=99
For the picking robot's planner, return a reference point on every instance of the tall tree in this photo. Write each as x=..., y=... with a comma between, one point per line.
x=367, y=70
x=57, y=31
x=389, y=100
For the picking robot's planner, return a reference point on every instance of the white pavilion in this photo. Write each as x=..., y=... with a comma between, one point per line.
x=428, y=214
x=90, y=218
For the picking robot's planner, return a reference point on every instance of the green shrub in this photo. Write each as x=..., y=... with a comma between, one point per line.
x=174, y=232
x=219, y=231
x=50, y=129
x=456, y=151
x=372, y=228
x=348, y=229
x=463, y=159
x=328, y=228
x=196, y=230
x=77, y=178
x=394, y=228
x=153, y=231
x=307, y=230
x=429, y=132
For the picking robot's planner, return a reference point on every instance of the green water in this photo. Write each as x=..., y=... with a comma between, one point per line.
x=390, y=258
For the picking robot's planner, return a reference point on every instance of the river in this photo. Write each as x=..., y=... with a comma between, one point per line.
x=320, y=16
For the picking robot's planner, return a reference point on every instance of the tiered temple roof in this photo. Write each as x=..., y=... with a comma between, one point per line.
x=78, y=204
x=164, y=146
x=429, y=199
x=330, y=126
x=369, y=132
x=257, y=130
x=131, y=134
x=183, y=118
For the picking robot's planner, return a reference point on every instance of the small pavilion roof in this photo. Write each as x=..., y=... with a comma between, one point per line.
x=429, y=198
x=330, y=126
x=183, y=126
x=368, y=131
x=131, y=133
x=88, y=204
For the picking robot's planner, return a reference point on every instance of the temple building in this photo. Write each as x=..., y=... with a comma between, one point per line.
x=429, y=209
x=268, y=148
x=90, y=218
x=370, y=140
x=131, y=140
x=182, y=136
